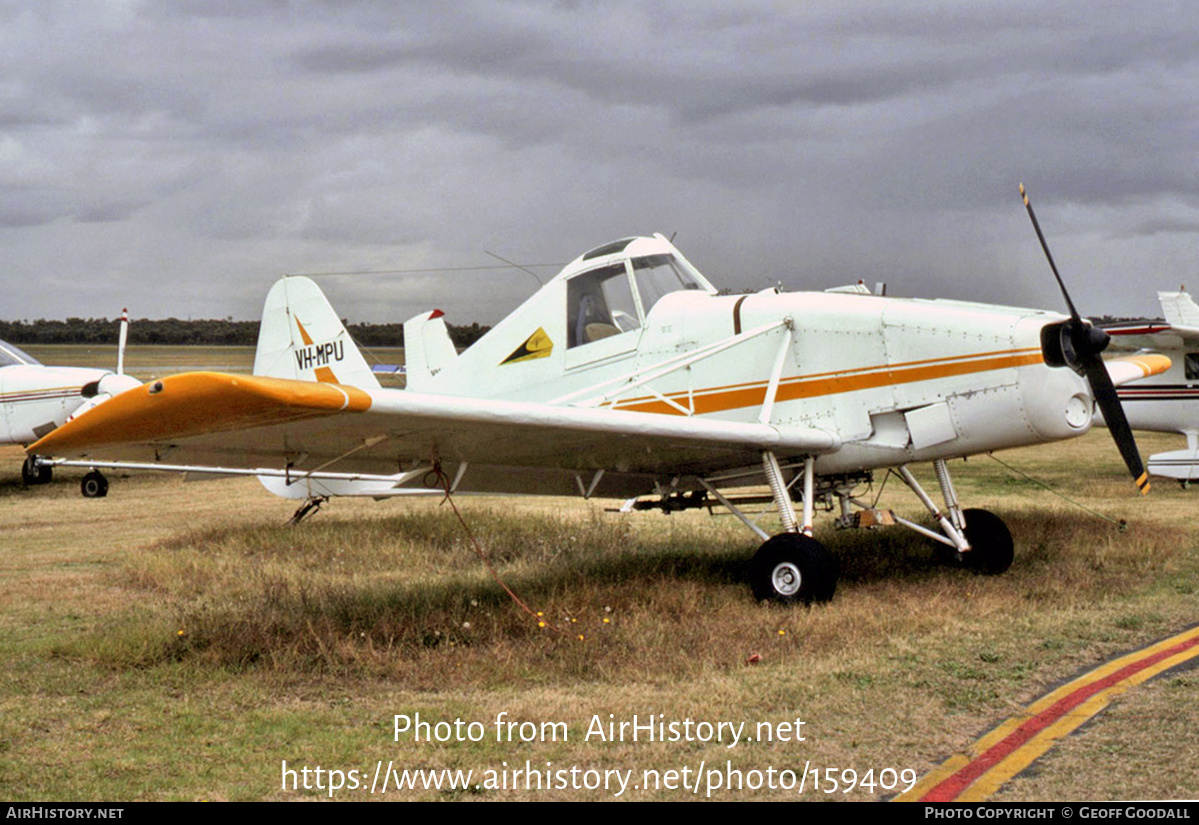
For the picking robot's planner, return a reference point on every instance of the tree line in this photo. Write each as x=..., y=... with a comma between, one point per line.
x=200, y=332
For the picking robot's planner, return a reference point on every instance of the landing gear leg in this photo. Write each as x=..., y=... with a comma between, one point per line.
x=792, y=566
x=952, y=534
x=975, y=539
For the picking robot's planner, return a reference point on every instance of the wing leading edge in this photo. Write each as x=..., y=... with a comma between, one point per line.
x=215, y=419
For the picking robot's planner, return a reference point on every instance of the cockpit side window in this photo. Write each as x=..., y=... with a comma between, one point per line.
x=659, y=275
x=600, y=304
x=12, y=356
x=1191, y=366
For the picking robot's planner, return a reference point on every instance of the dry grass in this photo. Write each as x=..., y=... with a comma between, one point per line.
x=146, y=639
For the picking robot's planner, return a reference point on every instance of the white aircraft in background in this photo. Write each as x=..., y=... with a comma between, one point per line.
x=628, y=376
x=36, y=399
x=1168, y=402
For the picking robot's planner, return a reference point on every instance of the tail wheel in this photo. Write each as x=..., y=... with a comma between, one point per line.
x=991, y=549
x=94, y=485
x=792, y=567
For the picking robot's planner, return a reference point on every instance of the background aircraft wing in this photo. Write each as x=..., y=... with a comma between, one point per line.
x=1151, y=335
x=215, y=419
x=1125, y=368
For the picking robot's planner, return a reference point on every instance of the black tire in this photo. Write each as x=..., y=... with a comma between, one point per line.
x=32, y=473
x=792, y=567
x=991, y=548
x=94, y=485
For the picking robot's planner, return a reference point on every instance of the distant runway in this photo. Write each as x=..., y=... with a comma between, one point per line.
x=986, y=765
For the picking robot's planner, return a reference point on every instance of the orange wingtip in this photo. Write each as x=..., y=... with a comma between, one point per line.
x=196, y=403
x=1149, y=363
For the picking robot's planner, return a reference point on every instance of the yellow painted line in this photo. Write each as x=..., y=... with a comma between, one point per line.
x=990, y=762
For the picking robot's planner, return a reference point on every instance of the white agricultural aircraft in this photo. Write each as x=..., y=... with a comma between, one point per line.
x=628, y=375
x=1169, y=402
x=36, y=399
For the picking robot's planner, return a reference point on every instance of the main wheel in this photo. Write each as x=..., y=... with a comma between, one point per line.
x=991, y=550
x=94, y=485
x=34, y=473
x=792, y=567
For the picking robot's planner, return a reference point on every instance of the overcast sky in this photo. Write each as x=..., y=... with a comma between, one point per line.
x=177, y=157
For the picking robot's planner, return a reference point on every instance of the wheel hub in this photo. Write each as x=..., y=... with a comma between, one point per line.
x=787, y=579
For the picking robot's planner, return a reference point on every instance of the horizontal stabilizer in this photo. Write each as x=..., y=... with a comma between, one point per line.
x=1179, y=464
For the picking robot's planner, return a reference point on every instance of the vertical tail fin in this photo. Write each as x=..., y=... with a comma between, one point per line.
x=427, y=348
x=301, y=337
x=1179, y=309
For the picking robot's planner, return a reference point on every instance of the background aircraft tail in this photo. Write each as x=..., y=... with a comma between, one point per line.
x=1179, y=309
x=427, y=348
x=302, y=338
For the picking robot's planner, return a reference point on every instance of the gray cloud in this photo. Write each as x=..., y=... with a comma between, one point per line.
x=177, y=157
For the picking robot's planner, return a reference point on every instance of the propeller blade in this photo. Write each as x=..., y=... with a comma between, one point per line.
x=1117, y=422
x=1087, y=342
x=1045, y=247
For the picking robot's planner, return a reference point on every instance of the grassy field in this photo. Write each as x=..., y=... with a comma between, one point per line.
x=177, y=641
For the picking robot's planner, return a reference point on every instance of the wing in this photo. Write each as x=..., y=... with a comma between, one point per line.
x=220, y=420
x=1151, y=335
x=1125, y=368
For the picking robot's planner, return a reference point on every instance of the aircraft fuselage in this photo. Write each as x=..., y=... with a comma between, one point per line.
x=36, y=399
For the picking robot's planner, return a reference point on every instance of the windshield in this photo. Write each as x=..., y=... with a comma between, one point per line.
x=11, y=356
x=659, y=275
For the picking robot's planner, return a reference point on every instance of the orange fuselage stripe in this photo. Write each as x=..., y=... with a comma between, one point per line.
x=719, y=399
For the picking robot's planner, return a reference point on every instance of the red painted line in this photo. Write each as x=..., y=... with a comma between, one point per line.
x=950, y=788
x=1138, y=330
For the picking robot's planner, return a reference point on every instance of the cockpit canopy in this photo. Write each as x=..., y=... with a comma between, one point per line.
x=11, y=356
x=612, y=289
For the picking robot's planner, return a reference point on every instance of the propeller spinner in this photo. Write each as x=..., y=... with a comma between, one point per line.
x=1077, y=344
